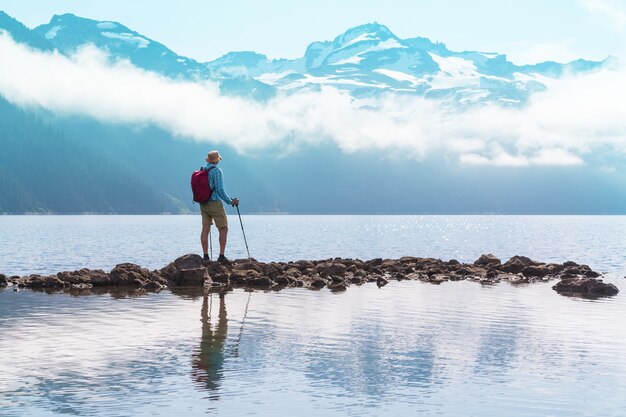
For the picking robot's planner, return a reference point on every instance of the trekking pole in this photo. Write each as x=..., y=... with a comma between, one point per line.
x=210, y=245
x=242, y=231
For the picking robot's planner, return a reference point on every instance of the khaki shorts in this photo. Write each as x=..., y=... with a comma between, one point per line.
x=213, y=212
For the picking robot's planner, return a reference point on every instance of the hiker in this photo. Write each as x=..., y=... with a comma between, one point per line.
x=213, y=210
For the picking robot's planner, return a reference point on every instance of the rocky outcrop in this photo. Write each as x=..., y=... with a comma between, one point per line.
x=585, y=287
x=336, y=274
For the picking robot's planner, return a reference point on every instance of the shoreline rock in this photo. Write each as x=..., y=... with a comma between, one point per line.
x=336, y=274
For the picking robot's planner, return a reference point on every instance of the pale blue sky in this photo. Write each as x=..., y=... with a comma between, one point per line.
x=528, y=31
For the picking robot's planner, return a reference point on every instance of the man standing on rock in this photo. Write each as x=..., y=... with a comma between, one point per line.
x=213, y=210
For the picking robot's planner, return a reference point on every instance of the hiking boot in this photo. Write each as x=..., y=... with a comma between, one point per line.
x=223, y=260
x=206, y=257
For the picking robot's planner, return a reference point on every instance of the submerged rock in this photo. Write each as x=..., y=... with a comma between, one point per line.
x=586, y=287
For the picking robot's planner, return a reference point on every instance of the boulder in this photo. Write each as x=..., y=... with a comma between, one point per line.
x=39, y=281
x=3, y=280
x=169, y=271
x=539, y=271
x=96, y=277
x=374, y=262
x=586, y=287
x=248, y=266
x=463, y=272
x=131, y=275
x=486, y=260
x=337, y=280
x=390, y=265
x=274, y=270
x=284, y=280
x=189, y=261
x=516, y=264
x=193, y=276
x=573, y=270
x=408, y=260
x=304, y=265
x=240, y=277
x=318, y=283
x=337, y=287
x=330, y=269
x=260, y=282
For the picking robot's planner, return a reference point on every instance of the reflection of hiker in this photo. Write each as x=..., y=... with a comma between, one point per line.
x=208, y=361
x=213, y=210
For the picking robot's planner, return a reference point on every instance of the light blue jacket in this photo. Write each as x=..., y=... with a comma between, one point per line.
x=216, y=183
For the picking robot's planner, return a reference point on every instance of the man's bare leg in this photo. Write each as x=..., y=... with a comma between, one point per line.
x=223, y=237
x=204, y=238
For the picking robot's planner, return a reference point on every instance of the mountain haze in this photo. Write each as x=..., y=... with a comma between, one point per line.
x=64, y=163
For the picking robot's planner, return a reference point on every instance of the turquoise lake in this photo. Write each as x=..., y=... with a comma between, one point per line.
x=409, y=348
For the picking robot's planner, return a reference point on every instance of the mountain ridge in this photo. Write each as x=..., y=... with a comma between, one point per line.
x=364, y=61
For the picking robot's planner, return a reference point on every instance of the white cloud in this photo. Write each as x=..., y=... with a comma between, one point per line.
x=522, y=53
x=613, y=10
x=559, y=127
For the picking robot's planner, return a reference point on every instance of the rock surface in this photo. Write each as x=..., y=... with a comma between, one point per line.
x=585, y=287
x=336, y=274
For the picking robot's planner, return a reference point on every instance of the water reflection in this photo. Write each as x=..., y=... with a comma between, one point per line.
x=453, y=350
x=208, y=358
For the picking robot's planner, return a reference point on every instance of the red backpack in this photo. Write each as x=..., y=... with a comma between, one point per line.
x=200, y=185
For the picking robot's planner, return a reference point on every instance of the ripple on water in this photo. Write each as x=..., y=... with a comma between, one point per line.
x=454, y=349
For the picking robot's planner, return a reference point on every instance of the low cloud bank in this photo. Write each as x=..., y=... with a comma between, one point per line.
x=558, y=127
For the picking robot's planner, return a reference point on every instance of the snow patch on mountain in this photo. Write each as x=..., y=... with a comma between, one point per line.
x=400, y=76
x=52, y=33
x=272, y=78
x=361, y=38
x=309, y=79
x=139, y=41
x=455, y=66
x=358, y=57
x=106, y=25
x=355, y=60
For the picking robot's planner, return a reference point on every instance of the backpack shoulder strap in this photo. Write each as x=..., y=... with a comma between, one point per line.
x=208, y=174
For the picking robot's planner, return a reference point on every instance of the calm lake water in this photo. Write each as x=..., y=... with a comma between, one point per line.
x=409, y=348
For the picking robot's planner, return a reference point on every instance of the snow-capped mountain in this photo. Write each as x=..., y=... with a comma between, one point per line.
x=68, y=32
x=365, y=61
x=369, y=60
